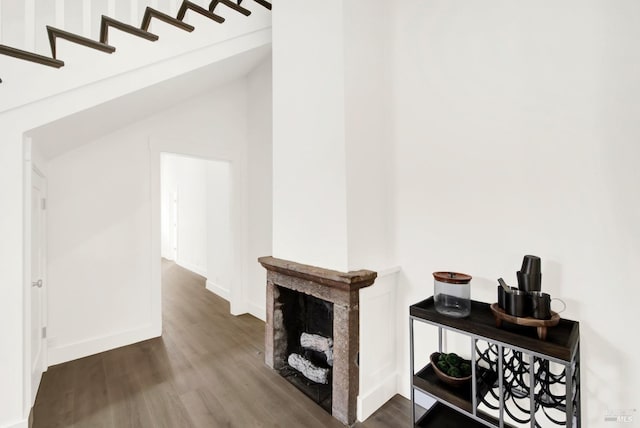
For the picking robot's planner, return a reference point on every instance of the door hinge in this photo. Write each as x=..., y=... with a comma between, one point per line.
x=44, y=332
x=44, y=204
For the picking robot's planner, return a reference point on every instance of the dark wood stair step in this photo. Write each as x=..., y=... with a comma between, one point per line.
x=110, y=22
x=56, y=33
x=30, y=56
x=187, y=5
x=154, y=13
x=236, y=7
x=261, y=3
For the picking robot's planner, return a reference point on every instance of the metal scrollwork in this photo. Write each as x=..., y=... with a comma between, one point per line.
x=549, y=385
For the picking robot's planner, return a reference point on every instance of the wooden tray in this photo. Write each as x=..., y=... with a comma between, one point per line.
x=500, y=315
x=453, y=381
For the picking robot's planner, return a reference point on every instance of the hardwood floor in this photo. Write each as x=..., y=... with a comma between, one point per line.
x=207, y=370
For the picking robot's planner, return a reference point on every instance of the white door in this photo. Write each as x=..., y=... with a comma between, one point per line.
x=38, y=297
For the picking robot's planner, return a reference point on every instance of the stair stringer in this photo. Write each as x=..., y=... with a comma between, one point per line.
x=26, y=82
x=15, y=122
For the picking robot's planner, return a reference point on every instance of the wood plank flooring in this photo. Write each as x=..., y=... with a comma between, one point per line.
x=207, y=370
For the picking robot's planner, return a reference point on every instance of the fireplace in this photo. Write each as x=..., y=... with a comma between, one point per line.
x=308, y=360
x=312, y=331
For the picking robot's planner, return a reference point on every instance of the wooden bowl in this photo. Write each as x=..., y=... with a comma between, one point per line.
x=450, y=380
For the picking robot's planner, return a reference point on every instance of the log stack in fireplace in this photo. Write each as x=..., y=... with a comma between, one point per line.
x=316, y=360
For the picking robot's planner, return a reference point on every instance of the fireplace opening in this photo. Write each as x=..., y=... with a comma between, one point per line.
x=308, y=360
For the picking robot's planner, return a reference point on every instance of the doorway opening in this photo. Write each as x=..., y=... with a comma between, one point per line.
x=195, y=218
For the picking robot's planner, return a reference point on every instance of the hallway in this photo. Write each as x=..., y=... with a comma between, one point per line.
x=207, y=370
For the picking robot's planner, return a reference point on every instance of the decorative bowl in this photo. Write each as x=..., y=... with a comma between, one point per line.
x=450, y=380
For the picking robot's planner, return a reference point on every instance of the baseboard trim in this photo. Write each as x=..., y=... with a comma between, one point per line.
x=73, y=351
x=192, y=268
x=218, y=290
x=20, y=424
x=258, y=311
x=375, y=398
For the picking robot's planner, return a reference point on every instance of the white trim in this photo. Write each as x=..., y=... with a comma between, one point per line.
x=26, y=275
x=375, y=398
x=237, y=294
x=191, y=267
x=378, y=379
x=258, y=310
x=239, y=303
x=24, y=423
x=218, y=290
x=32, y=164
x=73, y=351
x=389, y=271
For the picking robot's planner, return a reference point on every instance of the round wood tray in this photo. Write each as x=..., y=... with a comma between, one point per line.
x=500, y=315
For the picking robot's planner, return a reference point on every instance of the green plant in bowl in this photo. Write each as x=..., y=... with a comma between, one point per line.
x=451, y=368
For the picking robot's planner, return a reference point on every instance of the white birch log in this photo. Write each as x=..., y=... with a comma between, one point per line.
x=308, y=369
x=318, y=343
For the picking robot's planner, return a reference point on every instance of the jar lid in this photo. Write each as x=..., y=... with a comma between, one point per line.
x=452, y=277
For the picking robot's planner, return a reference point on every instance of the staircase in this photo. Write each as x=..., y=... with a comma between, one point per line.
x=108, y=23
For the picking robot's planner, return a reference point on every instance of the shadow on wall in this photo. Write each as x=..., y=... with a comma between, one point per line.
x=605, y=385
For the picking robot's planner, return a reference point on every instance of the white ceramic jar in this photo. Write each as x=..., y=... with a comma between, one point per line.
x=452, y=293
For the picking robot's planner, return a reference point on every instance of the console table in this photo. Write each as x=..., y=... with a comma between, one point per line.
x=517, y=379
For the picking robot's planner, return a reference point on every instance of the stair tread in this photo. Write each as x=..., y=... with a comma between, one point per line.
x=30, y=56
x=155, y=13
x=229, y=4
x=188, y=5
x=55, y=33
x=127, y=28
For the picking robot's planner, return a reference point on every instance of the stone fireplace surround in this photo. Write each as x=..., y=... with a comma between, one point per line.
x=343, y=290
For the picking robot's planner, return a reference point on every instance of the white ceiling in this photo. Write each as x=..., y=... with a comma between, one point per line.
x=70, y=132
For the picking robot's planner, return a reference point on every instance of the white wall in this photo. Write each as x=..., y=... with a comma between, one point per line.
x=369, y=154
x=369, y=160
x=168, y=207
x=309, y=175
x=100, y=242
x=189, y=178
x=516, y=132
x=260, y=171
x=25, y=82
x=332, y=161
x=39, y=95
x=220, y=236
x=11, y=292
x=203, y=226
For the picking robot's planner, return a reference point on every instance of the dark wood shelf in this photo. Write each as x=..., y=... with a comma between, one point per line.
x=443, y=416
x=427, y=381
x=459, y=397
x=560, y=343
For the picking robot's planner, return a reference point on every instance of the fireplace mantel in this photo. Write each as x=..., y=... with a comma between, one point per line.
x=346, y=281
x=340, y=288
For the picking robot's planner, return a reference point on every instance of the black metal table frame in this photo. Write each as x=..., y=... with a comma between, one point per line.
x=570, y=378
